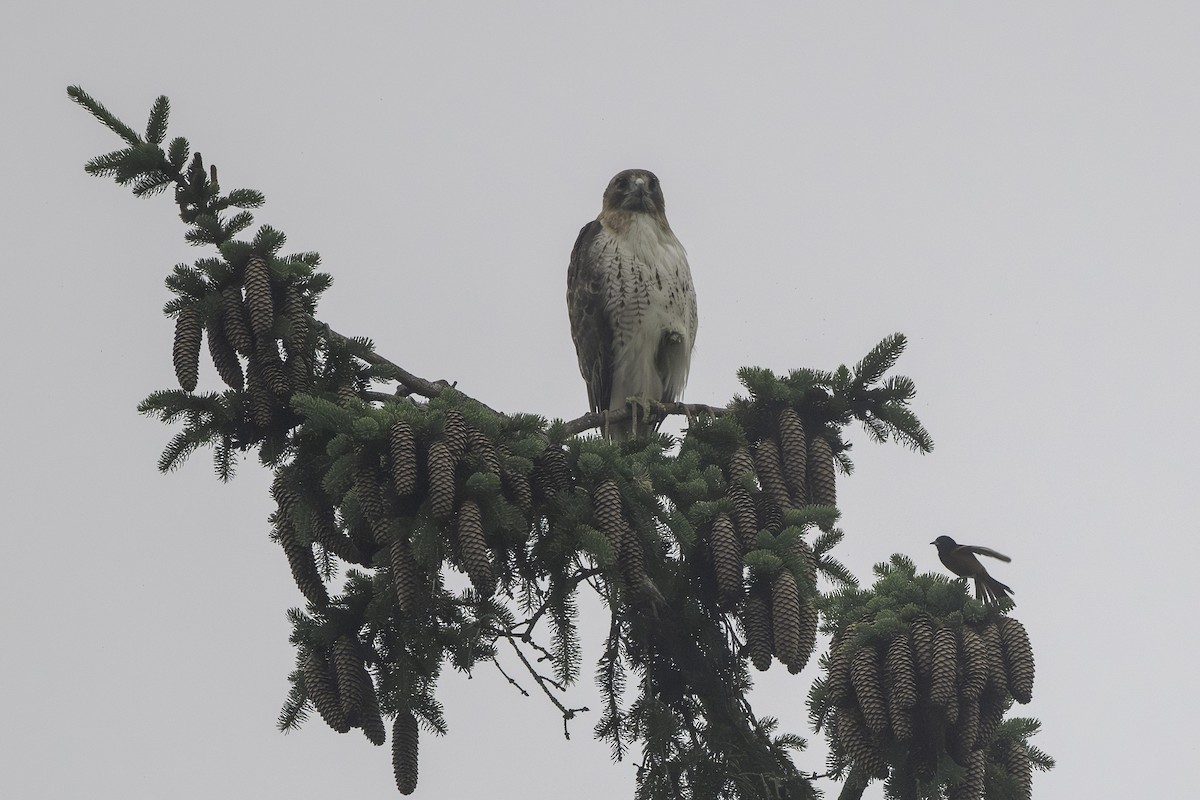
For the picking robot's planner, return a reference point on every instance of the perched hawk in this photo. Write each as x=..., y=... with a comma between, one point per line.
x=631, y=300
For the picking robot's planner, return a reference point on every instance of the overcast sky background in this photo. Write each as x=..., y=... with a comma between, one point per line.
x=1014, y=186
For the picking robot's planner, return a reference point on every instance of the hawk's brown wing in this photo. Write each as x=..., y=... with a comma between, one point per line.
x=590, y=328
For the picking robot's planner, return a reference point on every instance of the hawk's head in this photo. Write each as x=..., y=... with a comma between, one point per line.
x=635, y=190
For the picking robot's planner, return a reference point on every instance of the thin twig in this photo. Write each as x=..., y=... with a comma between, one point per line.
x=509, y=678
x=567, y=713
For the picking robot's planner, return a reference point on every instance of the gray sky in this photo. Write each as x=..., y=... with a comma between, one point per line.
x=1013, y=186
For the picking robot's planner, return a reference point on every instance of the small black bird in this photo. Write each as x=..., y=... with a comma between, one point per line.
x=960, y=559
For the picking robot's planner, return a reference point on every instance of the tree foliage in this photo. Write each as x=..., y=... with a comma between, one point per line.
x=712, y=554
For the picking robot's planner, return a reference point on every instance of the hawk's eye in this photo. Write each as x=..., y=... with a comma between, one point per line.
x=622, y=183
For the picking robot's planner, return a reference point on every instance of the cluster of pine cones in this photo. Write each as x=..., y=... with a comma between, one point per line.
x=792, y=470
x=341, y=689
x=931, y=687
x=251, y=327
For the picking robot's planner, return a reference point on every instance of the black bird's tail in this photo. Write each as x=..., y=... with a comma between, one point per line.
x=989, y=590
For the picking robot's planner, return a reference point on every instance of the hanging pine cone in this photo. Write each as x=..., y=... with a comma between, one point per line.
x=992, y=707
x=185, y=353
x=325, y=530
x=259, y=302
x=262, y=402
x=770, y=516
x=551, y=473
x=367, y=478
x=322, y=690
x=974, y=663
x=809, y=618
x=945, y=662
x=793, y=445
x=769, y=466
x=481, y=449
x=856, y=742
x=372, y=719
x=441, y=480
x=821, y=477
x=353, y=680
x=606, y=508
x=971, y=787
x=225, y=358
x=1015, y=758
x=865, y=678
x=921, y=634
x=902, y=686
x=727, y=561
x=516, y=485
x=287, y=498
x=297, y=372
x=402, y=448
x=303, y=566
x=633, y=566
x=1018, y=659
x=455, y=433
x=405, y=739
x=235, y=321
x=997, y=677
x=295, y=337
x=756, y=621
x=963, y=737
x=745, y=518
x=473, y=549
x=266, y=354
x=841, y=650
x=740, y=464
x=406, y=576
x=785, y=617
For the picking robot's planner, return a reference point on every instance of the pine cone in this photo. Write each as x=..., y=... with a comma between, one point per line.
x=551, y=473
x=840, y=653
x=727, y=561
x=402, y=447
x=456, y=433
x=287, y=498
x=963, y=737
x=185, y=353
x=921, y=634
x=945, y=663
x=262, y=402
x=235, y=321
x=297, y=372
x=745, y=518
x=855, y=741
x=769, y=466
x=295, y=338
x=610, y=520
x=303, y=566
x=821, y=477
x=864, y=677
x=406, y=576
x=633, y=566
x=266, y=354
x=794, y=447
x=517, y=487
x=322, y=690
x=997, y=677
x=480, y=447
x=372, y=719
x=1018, y=659
x=770, y=516
x=442, y=464
x=353, y=680
x=756, y=621
x=974, y=663
x=370, y=498
x=809, y=618
x=225, y=358
x=1017, y=764
x=902, y=687
x=259, y=301
x=740, y=463
x=473, y=549
x=404, y=751
x=785, y=617
x=328, y=535
x=971, y=787
x=992, y=707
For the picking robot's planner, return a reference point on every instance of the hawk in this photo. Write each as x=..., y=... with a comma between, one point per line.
x=631, y=300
